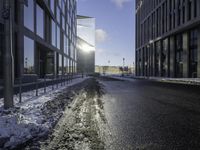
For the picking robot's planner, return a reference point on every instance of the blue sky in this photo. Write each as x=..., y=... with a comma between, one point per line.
x=115, y=29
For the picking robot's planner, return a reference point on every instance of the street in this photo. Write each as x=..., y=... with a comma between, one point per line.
x=151, y=115
x=113, y=114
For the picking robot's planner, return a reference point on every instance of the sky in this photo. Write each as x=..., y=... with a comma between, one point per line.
x=115, y=29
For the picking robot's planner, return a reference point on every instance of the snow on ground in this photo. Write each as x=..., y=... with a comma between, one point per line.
x=26, y=120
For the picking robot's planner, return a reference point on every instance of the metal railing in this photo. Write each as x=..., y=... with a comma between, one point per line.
x=41, y=86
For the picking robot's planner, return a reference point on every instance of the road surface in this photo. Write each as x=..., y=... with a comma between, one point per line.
x=152, y=115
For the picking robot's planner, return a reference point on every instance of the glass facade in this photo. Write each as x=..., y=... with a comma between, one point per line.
x=55, y=22
x=29, y=15
x=28, y=56
x=40, y=21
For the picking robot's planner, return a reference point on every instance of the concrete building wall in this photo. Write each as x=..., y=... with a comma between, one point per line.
x=175, y=21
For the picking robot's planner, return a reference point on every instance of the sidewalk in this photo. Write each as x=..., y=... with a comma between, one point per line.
x=189, y=81
x=34, y=117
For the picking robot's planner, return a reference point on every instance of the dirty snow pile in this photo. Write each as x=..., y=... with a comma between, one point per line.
x=28, y=119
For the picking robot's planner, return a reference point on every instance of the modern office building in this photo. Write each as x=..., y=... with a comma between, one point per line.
x=43, y=38
x=85, y=44
x=168, y=38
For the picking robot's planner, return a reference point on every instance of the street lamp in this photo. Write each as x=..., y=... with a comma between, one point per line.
x=123, y=66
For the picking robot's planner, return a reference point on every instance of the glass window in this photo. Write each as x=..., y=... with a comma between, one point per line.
x=28, y=15
x=50, y=63
x=60, y=64
x=63, y=22
x=52, y=5
x=58, y=37
x=28, y=55
x=58, y=15
x=65, y=65
x=40, y=21
x=65, y=44
x=53, y=33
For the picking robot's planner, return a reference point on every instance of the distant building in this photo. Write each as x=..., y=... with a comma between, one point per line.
x=168, y=38
x=44, y=38
x=85, y=44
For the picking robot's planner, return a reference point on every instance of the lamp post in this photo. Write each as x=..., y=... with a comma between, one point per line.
x=123, y=66
x=8, y=58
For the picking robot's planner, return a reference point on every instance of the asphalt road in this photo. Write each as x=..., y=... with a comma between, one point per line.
x=152, y=116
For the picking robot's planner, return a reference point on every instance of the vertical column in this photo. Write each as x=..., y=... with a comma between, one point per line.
x=168, y=58
x=185, y=55
x=142, y=60
x=160, y=58
x=20, y=39
x=198, y=51
x=198, y=6
x=168, y=16
x=172, y=56
x=186, y=10
x=153, y=59
x=192, y=9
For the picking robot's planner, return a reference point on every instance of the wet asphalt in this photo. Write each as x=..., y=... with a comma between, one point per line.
x=146, y=115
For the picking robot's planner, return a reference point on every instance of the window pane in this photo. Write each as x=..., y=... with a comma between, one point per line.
x=58, y=15
x=50, y=63
x=58, y=37
x=52, y=4
x=40, y=21
x=28, y=15
x=28, y=55
x=60, y=64
x=65, y=44
x=53, y=33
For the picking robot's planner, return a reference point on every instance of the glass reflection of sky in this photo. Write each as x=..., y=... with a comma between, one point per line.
x=86, y=29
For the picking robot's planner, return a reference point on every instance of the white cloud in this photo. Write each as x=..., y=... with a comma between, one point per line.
x=101, y=35
x=120, y=3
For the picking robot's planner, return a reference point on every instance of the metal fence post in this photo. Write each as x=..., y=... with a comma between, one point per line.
x=57, y=82
x=36, y=86
x=45, y=84
x=20, y=89
x=52, y=84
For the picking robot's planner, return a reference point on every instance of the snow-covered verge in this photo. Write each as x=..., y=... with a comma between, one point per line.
x=83, y=125
x=33, y=117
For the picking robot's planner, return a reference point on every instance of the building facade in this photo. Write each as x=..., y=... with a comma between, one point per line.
x=85, y=44
x=43, y=38
x=168, y=38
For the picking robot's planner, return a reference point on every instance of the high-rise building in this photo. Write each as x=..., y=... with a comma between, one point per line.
x=85, y=44
x=168, y=38
x=43, y=38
